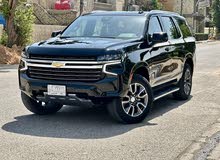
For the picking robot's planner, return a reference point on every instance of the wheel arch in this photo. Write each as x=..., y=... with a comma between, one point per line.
x=189, y=60
x=142, y=69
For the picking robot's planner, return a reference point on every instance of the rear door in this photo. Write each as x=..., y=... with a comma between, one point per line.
x=187, y=37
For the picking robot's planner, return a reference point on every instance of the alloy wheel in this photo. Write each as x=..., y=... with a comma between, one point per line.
x=136, y=100
x=187, y=82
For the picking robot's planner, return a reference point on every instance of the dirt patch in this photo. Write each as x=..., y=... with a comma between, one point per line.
x=10, y=55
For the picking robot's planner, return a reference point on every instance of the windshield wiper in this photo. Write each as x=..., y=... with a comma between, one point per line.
x=106, y=37
x=63, y=37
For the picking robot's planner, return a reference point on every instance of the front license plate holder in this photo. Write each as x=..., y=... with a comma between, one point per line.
x=56, y=90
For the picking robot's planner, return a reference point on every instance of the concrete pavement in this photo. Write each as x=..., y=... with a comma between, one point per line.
x=78, y=132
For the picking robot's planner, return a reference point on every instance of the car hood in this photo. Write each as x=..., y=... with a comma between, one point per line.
x=78, y=46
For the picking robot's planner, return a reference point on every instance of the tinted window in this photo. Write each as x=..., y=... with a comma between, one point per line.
x=154, y=26
x=122, y=27
x=170, y=28
x=183, y=27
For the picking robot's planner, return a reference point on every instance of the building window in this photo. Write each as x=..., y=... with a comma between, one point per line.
x=102, y=1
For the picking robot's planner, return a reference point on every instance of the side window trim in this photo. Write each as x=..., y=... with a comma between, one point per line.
x=148, y=25
x=161, y=23
x=172, y=21
x=177, y=28
x=176, y=19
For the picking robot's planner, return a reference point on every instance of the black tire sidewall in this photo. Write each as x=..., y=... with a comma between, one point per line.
x=181, y=93
x=35, y=107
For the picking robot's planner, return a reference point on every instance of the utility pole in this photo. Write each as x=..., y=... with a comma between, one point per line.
x=81, y=6
x=181, y=9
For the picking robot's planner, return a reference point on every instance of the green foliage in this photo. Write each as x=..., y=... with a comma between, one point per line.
x=4, y=8
x=147, y=5
x=216, y=14
x=4, y=38
x=21, y=16
x=24, y=20
x=155, y=4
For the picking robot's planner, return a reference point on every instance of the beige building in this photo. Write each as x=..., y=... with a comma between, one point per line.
x=46, y=14
x=196, y=12
x=89, y=5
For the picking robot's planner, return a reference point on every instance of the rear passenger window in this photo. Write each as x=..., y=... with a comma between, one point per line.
x=170, y=28
x=154, y=26
x=183, y=27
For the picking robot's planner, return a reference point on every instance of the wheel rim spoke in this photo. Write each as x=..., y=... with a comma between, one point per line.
x=141, y=104
x=139, y=110
x=127, y=110
x=133, y=88
x=133, y=109
x=126, y=99
x=142, y=91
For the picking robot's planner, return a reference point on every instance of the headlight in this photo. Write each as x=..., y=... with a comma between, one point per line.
x=23, y=65
x=24, y=55
x=109, y=57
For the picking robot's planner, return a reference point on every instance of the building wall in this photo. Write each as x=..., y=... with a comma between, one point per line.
x=43, y=32
x=175, y=6
x=189, y=10
x=117, y=5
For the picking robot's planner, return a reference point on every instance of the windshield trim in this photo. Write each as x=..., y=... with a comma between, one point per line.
x=122, y=38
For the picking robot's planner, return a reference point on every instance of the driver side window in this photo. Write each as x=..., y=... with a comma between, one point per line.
x=154, y=26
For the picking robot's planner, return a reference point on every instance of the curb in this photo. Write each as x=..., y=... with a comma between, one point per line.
x=7, y=67
x=206, y=41
x=204, y=145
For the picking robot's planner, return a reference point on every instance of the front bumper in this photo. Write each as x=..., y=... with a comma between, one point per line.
x=109, y=86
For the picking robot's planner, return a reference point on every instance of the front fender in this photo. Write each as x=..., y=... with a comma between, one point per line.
x=131, y=68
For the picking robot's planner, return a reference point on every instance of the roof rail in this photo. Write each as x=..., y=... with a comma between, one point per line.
x=97, y=11
x=160, y=11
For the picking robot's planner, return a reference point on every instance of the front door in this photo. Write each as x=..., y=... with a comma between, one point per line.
x=160, y=53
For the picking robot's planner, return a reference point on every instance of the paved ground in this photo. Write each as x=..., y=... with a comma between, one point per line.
x=215, y=154
x=87, y=133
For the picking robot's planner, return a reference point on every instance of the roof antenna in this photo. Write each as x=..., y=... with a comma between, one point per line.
x=141, y=10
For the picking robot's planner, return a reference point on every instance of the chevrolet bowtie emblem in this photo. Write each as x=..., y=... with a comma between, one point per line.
x=58, y=64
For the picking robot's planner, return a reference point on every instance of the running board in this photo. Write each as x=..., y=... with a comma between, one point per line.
x=165, y=93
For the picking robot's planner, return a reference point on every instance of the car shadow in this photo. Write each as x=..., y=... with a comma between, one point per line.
x=83, y=122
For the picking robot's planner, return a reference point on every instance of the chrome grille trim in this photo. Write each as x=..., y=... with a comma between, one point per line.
x=69, y=62
x=72, y=67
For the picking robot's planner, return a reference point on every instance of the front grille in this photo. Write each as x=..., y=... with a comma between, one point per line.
x=65, y=74
x=63, y=58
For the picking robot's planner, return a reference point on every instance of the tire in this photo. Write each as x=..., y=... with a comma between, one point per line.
x=185, y=84
x=132, y=108
x=37, y=107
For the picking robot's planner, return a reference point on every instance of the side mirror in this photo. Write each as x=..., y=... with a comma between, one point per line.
x=159, y=37
x=55, y=33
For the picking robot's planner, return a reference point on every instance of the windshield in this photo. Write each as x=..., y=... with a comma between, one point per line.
x=121, y=27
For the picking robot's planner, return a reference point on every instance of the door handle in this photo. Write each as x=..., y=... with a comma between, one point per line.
x=167, y=49
x=181, y=47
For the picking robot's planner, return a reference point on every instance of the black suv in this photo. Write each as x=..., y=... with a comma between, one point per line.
x=124, y=60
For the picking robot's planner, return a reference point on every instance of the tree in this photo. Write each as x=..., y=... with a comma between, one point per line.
x=8, y=10
x=19, y=20
x=216, y=15
x=147, y=5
